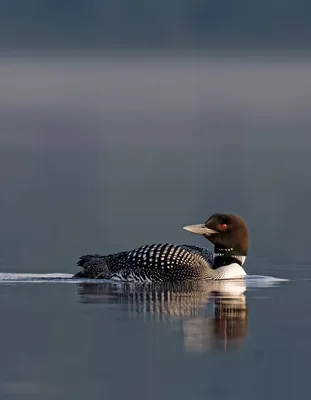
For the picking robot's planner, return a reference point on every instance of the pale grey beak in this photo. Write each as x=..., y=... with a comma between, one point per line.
x=200, y=229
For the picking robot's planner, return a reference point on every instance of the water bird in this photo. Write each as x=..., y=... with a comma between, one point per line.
x=158, y=263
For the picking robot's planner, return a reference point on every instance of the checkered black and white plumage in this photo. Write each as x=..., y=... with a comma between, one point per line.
x=153, y=263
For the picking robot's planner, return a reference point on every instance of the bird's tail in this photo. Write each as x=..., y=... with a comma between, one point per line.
x=93, y=266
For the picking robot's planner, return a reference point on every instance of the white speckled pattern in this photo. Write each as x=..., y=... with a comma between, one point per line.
x=161, y=263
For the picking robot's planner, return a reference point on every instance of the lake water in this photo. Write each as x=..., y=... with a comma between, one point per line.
x=106, y=154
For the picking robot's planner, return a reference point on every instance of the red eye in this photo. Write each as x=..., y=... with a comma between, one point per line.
x=224, y=226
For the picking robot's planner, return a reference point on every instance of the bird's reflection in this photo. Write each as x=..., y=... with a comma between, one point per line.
x=212, y=315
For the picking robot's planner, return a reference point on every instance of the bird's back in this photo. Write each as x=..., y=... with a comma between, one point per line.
x=150, y=263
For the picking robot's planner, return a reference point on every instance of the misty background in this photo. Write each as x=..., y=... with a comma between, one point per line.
x=137, y=24
x=120, y=122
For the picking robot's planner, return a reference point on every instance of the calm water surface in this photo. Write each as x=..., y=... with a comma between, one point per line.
x=101, y=155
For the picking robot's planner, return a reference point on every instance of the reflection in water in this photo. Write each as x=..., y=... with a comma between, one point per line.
x=225, y=330
x=212, y=315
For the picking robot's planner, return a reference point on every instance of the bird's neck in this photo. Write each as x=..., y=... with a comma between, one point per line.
x=226, y=256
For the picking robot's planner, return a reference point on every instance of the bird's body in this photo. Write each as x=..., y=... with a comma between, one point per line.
x=176, y=263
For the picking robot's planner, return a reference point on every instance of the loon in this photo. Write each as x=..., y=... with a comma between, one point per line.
x=157, y=263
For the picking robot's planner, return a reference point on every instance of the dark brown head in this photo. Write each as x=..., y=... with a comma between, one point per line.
x=228, y=233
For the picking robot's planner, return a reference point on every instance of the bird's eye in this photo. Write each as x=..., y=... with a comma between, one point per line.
x=224, y=226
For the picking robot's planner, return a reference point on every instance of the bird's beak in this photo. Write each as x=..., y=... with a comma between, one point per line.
x=200, y=229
